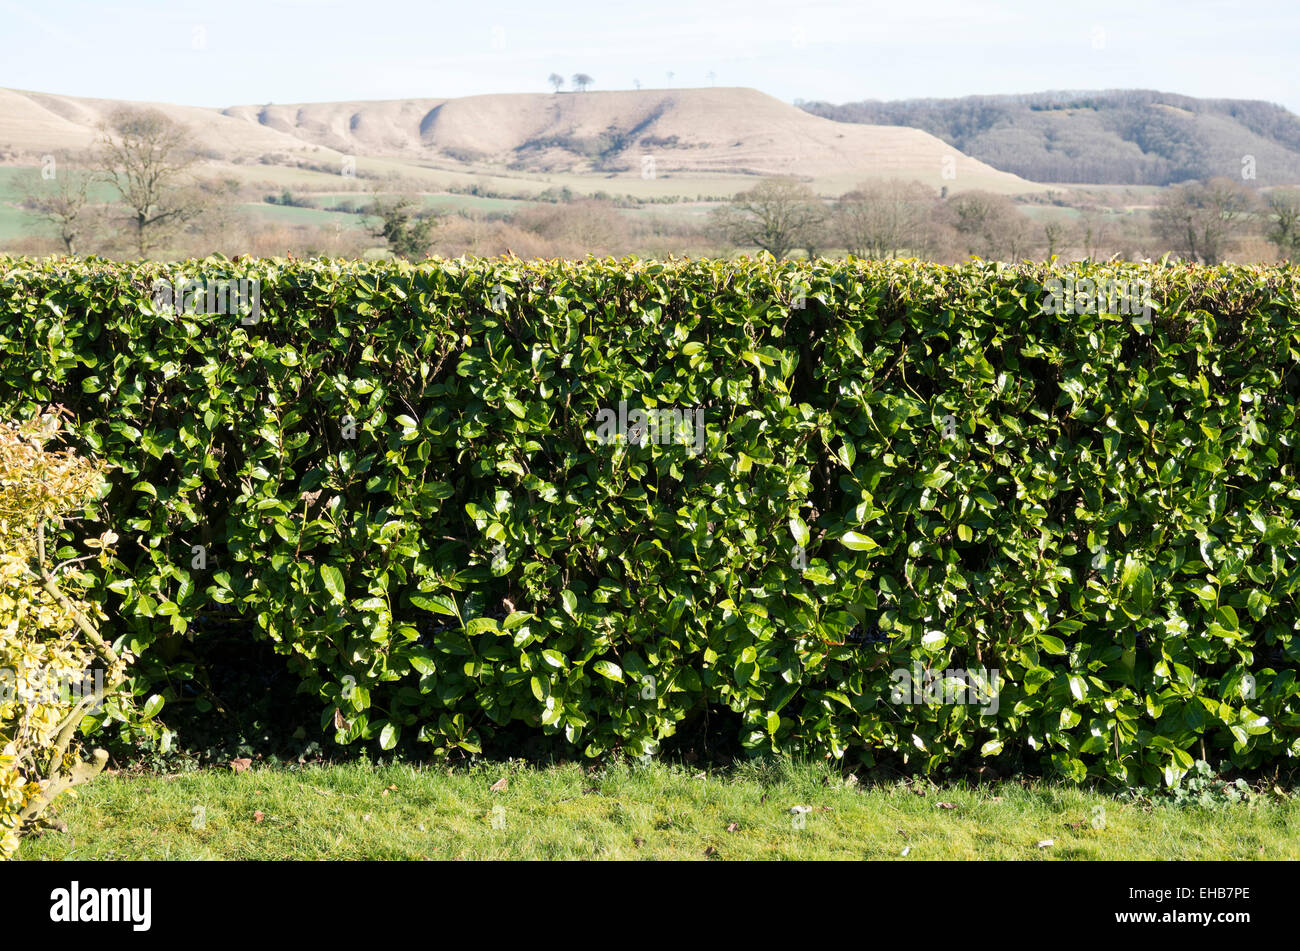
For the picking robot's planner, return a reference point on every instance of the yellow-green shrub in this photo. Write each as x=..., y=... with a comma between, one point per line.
x=44, y=632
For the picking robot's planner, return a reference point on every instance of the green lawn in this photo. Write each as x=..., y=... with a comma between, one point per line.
x=660, y=812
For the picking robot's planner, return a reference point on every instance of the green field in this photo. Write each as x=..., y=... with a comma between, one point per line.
x=363, y=811
x=315, y=217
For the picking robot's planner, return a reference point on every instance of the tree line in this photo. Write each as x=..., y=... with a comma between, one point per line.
x=1199, y=221
x=143, y=165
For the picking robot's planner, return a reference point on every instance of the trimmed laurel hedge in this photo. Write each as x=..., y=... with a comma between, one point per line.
x=905, y=466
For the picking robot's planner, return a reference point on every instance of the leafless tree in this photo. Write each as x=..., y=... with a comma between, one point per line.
x=777, y=215
x=880, y=219
x=63, y=200
x=556, y=81
x=1092, y=233
x=988, y=225
x=582, y=81
x=1284, y=222
x=1200, y=220
x=1054, y=232
x=148, y=158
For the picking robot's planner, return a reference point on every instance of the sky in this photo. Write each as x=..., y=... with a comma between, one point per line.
x=237, y=52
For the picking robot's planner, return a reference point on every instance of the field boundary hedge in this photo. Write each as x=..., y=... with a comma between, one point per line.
x=594, y=502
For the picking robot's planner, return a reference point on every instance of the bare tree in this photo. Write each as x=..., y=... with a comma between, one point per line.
x=582, y=81
x=1054, y=232
x=988, y=225
x=147, y=157
x=1200, y=220
x=1092, y=233
x=880, y=219
x=63, y=200
x=556, y=81
x=777, y=215
x=1284, y=222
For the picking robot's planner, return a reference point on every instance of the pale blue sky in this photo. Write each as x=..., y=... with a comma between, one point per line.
x=255, y=51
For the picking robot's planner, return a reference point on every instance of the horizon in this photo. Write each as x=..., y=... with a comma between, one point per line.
x=293, y=51
x=653, y=89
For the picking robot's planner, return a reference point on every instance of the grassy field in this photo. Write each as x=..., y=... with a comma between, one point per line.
x=658, y=812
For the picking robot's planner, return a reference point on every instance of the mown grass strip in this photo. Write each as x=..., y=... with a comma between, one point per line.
x=658, y=812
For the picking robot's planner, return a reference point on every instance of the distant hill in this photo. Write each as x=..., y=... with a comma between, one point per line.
x=1115, y=137
x=691, y=134
x=686, y=131
x=33, y=123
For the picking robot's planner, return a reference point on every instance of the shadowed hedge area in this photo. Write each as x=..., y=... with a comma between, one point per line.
x=424, y=486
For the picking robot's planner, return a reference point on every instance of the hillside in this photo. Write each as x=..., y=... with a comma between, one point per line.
x=1116, y=137
x=698, y=136
x=33, y=123
x=686, y=131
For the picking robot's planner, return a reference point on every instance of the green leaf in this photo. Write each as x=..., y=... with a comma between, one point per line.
x=1053, y=645
x=934, y=640
x=609, y=670
x=1257, y=604
x=1136, y=586
x=437, y=603
x=333, y=579
x=1078, y=686
x=857, y=542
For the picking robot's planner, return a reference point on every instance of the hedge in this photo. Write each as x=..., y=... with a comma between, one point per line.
x=419, y=481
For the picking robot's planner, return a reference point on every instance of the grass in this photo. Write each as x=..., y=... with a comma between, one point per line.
x=657, y=812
